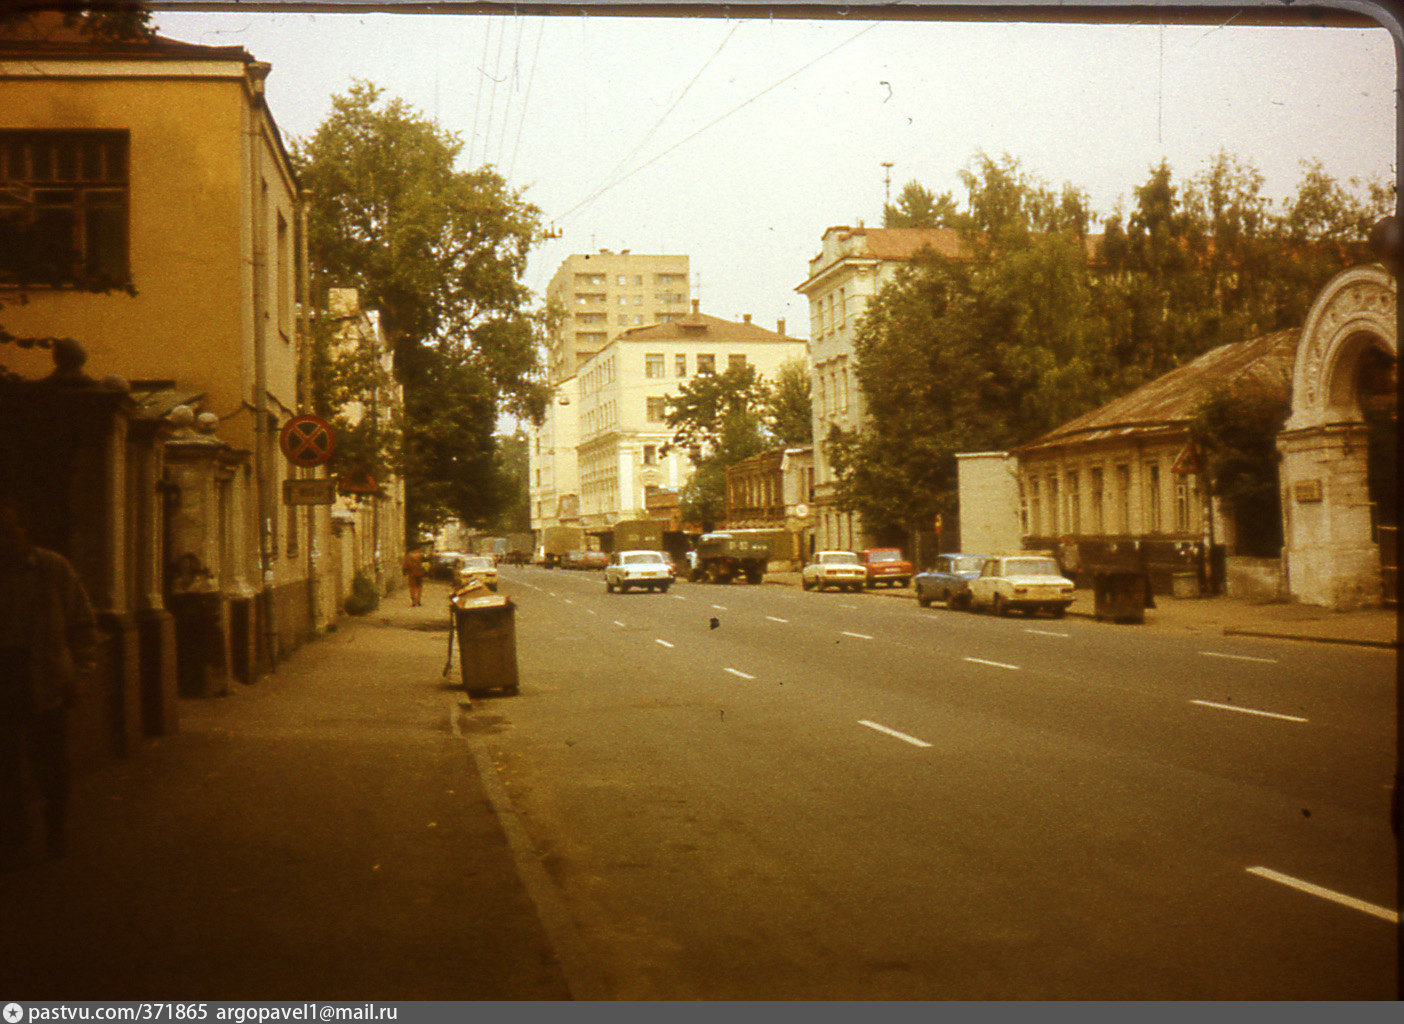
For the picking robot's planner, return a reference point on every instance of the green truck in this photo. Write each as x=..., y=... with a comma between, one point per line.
x=721, y=557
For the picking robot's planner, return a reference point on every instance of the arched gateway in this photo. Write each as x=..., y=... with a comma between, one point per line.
x=1344, y=369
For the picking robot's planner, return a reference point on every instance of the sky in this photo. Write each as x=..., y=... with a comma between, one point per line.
x=738, y=142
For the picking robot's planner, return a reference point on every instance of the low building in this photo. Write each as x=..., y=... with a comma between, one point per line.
x=774, y=491
x=1126, y=473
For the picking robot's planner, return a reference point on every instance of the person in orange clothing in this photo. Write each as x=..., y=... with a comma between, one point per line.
x=414, y=570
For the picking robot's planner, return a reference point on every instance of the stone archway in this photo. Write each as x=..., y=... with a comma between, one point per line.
x=1330, y=552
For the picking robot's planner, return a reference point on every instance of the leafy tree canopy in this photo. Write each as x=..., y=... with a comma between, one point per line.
x=789, y=408
x=918, y=207
x=441, y=253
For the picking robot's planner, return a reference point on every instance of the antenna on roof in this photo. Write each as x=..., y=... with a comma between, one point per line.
x=887, y=183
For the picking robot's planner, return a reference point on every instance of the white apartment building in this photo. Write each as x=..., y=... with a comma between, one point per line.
x=606, y=293
x=621, y=391
x=849, y=271
x=554, y=482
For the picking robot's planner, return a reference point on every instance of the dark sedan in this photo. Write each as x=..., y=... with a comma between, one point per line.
x=948, y=580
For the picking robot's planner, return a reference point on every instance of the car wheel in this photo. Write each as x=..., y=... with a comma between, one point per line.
x=998, y=606
x=960, y=602
x=923, y=600
x=805, y=584
x=663, y=587
x=609, y=587
x=1058, y=613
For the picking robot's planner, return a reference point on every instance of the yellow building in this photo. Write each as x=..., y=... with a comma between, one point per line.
x=156, y=167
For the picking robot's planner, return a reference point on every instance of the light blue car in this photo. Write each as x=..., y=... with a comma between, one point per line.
x=948, y=580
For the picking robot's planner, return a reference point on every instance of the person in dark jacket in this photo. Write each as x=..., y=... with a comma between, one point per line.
x=48, y=640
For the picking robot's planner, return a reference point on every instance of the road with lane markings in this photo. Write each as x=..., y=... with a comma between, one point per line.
x=760, y=792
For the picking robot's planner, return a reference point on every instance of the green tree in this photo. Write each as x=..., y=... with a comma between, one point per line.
x=718, y=420
x=790, y=405
x=1235, y=428
x=441, y=253
x=918, y=207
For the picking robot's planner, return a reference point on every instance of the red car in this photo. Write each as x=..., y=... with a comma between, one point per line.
x=886, y=565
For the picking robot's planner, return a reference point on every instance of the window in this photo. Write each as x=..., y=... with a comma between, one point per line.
x=843, y=307
x=1053, y=506
x=650, y=455
x=1035, y=510
x=638, y=280
x=623, y=319
x=1153, y=497
x=706, y=362
x=653, y=365
x=735, y=362
x=680, y=365
x=1074, y=504
x=1123, y=499
x=1095, y=500
x=63, y=207
x=1182, y=503
x=622, y=280
x=656, y=410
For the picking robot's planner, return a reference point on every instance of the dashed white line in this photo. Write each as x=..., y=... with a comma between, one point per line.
x=893, y=732
x=1384, y=913
x=568, y=601
x=618, y=623
x=592, y=611
x=1239, y=657
x=1047, y=632
x=772, y=618
x=856, y=636
x=677, y=597
x=662, y=642
x=1248, y=711
x=993, y=664
x=719, y=607
x=735, y=672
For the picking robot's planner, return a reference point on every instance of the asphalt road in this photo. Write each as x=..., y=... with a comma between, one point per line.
x=758, y=792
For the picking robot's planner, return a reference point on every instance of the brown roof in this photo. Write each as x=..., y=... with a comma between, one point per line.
x=1171, y=400
x=47, y=35
x=700, y=326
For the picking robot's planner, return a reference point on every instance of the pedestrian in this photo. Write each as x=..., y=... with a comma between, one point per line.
x=48, y=640
x=413, y=568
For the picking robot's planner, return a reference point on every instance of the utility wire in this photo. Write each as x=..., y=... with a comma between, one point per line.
x=511, y=88
x=531, y=77
x=478, y=97
x=496, y=76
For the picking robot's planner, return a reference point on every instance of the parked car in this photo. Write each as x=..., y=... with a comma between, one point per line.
x=649, y=570
x=443, y=565
x=948, y=580
x=840, y=569
x=482, y=568
x=1029, y=583
x=886, y=565
x=584, y=560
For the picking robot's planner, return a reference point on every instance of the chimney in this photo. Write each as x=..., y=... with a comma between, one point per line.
x=695, y=304
x=745, y=318
x=780, y=326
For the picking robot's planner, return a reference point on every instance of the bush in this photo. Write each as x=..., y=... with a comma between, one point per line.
x=365, y=598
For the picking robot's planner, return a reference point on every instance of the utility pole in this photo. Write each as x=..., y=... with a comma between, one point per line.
x=887, y=183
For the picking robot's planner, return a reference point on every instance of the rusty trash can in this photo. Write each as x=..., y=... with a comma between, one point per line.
x=485, y=626
x=1121, y=595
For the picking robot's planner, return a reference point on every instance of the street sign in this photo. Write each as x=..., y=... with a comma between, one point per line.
x=307, y=440
x=309, y=492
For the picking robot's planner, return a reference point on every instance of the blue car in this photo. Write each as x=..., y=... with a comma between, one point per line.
x=948, y=580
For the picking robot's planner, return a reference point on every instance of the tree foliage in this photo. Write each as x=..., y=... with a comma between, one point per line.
x=1035, y=327
x=441, y=253
x=789, y=408
x=918, y=207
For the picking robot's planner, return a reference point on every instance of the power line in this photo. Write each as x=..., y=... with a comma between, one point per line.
x=531, y=77
x=507, y=106
x=496, y=77
x=478, y=96
x=770, y=88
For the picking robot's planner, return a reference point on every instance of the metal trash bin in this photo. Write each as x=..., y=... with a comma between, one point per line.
x=1120, y=595
x=486, y=629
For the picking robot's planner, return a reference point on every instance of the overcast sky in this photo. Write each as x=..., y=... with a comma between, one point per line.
x=737, y=142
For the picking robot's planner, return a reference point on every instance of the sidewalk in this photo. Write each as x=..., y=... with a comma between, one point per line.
x=324, y=834
x=1226, y=616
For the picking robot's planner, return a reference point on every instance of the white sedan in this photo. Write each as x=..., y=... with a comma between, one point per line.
x=649, y=570
x=1029, y=583
x=839, y=569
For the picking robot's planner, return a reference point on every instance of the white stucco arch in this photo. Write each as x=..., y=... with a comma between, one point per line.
x=1330, y=554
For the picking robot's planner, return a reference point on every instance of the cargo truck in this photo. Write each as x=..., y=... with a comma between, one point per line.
x=721, y=557
x=559, y=541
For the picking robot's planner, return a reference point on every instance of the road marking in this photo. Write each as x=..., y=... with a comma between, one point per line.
x=569, y=601
x=592, y=611
x=995, y=664
x=663, y=642
x=1392, y=916
x=1247, y=711
x=893, y=732
x=550, y=593
x=618, y=623
x=677, y=597
x=850, y=607
x=1238, y=657
x=719, y=607
x=1047, y=632
x=857, y=636
x=772, y=618
x=734, y=672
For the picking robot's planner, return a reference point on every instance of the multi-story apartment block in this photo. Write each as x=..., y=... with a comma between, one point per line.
x=622, y=396
x=849, y=271
x=606, y=293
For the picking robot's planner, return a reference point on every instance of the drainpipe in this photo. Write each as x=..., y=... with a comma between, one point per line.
x=304, y=322
x=257, y=73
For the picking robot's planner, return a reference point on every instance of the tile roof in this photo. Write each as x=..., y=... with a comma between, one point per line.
x=1170, y=401
x=695, y=326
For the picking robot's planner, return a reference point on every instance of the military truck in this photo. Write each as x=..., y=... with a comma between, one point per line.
x=518, y=548
x=559, y=541
x=638, y=535
x=721, y=557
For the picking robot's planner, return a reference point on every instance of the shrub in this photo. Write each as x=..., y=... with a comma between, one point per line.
x=365, y=598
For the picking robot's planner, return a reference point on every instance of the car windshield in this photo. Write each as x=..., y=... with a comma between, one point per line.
x=838, y=558
x=1031, y=567
x=477, y=562
x=885, y=556
x=643, y=558
x=971, y=564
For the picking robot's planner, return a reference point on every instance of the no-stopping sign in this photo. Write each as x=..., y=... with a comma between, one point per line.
x=307, y=440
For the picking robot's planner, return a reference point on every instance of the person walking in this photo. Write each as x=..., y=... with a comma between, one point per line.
x=48, y=641
x=413, y=568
